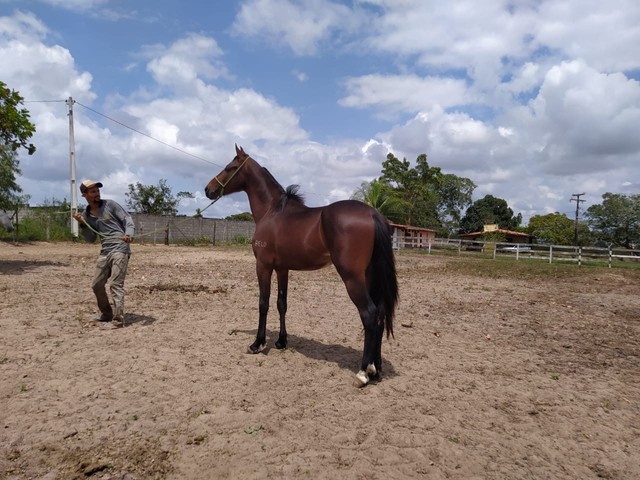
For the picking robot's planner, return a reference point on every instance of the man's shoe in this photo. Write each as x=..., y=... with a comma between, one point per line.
x=104, y=318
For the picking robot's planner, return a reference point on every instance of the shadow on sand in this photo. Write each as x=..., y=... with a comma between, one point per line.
x=343, y=356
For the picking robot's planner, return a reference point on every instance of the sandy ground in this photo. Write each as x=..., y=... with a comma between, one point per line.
x=494, y=372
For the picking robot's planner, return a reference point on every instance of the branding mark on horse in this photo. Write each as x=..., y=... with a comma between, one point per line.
x=260, y=243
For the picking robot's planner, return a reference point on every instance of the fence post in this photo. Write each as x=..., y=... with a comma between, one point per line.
x=550, y=254
x=579, y=256
x=610, y=255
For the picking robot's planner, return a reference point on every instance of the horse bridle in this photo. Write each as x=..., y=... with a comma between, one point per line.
x=223, y=185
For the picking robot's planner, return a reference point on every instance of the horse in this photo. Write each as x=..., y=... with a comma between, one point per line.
x=289, y=235
x=5, y=221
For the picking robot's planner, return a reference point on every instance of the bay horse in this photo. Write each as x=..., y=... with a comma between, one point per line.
x=292, y=236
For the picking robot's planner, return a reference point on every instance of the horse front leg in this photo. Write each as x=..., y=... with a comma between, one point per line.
x=283, y=282
x=264, y=284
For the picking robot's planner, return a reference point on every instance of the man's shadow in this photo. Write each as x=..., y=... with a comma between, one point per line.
x=131, y=319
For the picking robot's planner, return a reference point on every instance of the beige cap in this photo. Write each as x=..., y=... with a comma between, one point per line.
x=87, y=184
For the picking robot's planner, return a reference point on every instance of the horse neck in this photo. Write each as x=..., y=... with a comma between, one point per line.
x=263, y=190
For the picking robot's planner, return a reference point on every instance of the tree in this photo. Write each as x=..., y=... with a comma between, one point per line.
x=486, y=211
x=15, y=132
x=553, y=228
x=240, y=217
x=154, y=199
x=616, y=220
x=430, y=198
x=380, y=196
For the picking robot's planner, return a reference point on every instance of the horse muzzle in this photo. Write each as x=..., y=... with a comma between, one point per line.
x=213, y=193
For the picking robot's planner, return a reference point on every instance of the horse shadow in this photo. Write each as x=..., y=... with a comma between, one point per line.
x=345, y=357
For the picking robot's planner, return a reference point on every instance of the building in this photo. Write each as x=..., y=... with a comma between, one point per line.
x=489, y=233
x=407, y=236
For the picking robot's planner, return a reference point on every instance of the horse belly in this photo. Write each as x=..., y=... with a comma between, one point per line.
x=296, y=256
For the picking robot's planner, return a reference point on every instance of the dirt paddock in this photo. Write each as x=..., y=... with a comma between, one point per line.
x=498, y=370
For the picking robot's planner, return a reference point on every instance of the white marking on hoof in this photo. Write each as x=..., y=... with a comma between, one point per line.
x=371, y=369
x=361, y=379
x=260, y=348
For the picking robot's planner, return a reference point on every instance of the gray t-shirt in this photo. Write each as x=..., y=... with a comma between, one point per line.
x=112, y=222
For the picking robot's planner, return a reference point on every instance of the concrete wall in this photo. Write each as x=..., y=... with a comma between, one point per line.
x=160, y=229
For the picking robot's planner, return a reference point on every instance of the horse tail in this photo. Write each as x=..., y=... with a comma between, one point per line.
x=384, y=281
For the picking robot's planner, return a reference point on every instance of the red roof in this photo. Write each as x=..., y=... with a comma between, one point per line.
x=500, y=230
x=410, y=227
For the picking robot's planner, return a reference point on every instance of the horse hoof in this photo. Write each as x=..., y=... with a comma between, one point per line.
x=281, y=345
x=255, y=348
x=361, y=379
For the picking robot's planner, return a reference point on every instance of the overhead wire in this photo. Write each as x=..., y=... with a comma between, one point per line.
x=147, y=135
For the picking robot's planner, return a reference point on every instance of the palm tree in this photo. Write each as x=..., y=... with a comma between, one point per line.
x=380, y=196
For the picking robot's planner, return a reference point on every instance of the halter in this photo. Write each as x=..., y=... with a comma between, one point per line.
x=223, y=185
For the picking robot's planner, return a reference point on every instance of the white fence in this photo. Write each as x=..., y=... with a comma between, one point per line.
x=549, y=253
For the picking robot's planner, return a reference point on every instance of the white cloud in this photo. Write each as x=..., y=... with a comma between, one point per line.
x=408, y=93
x=300, y=26
x=186, y=60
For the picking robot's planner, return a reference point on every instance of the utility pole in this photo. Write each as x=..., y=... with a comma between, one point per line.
x=72, y=161
x=578, y=201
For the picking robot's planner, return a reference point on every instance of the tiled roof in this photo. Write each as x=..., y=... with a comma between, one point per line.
x=500, y=230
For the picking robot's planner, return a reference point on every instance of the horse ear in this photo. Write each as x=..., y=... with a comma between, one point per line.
x=238, y=150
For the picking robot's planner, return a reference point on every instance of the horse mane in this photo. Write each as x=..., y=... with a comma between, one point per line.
x=288, y=195
x=291, y=195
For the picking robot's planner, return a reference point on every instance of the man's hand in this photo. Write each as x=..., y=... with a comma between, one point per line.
x=127, y=239
x=78, y=216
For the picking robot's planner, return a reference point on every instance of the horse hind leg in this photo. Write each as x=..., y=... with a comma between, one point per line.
x=371, y=366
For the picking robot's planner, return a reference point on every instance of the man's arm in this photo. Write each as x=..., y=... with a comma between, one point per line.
x=88, y=234
x=125, y=220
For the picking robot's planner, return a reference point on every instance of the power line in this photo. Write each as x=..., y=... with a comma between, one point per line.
x=127, y=126
x=147, y=135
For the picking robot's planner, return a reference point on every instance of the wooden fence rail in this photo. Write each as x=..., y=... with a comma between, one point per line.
x=549, y=253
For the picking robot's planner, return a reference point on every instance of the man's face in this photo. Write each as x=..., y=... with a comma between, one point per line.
x=92, y=195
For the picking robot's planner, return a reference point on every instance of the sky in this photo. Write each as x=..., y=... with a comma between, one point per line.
x=533, y=100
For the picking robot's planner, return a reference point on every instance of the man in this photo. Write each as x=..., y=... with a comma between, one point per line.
x=5, y=221
x=113, y=224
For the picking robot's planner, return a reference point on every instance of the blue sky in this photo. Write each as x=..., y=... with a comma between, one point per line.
x=532, y=100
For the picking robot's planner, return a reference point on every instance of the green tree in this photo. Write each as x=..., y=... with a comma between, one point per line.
x=486, y=211
x=154, y=199
x=553, y=228
x=240, y=217
x=15, y=132
x=430, y=198
x=616, y=220
x=381, y=196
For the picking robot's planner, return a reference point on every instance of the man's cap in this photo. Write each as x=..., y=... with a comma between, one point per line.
x=87, y=184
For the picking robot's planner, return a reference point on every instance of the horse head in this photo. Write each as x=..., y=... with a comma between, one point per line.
x=230, y=179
